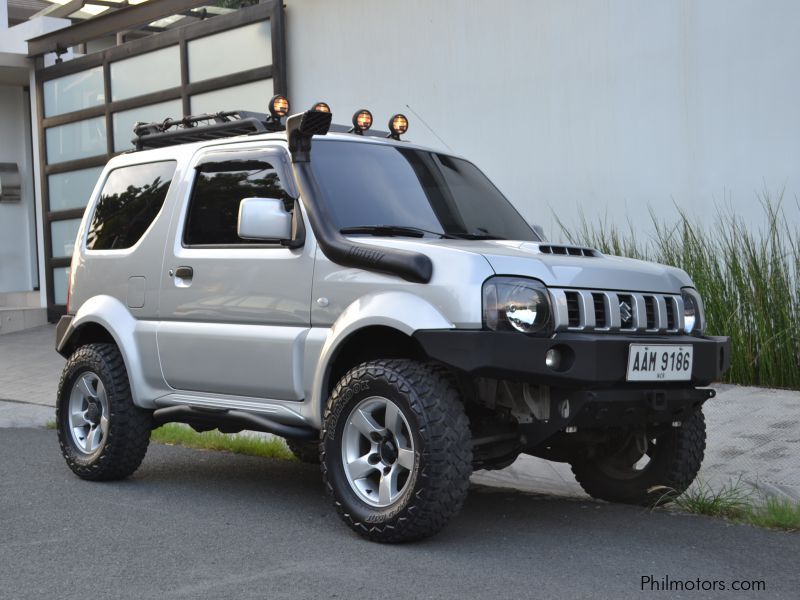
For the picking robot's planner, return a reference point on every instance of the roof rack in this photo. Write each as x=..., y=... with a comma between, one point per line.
x=213, y=126
x=198, y=128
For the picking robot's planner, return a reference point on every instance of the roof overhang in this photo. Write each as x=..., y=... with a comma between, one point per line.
x=107, y=24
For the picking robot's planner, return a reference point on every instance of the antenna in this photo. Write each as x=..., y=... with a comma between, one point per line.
x=408, y=106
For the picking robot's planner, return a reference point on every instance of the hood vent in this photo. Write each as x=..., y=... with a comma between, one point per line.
x=567, y=250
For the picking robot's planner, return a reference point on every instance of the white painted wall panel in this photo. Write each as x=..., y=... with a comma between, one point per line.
x=602, y=107
x=17, y=250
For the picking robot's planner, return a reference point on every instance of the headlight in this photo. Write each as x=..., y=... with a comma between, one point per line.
x=515, y=303
x=693, y=318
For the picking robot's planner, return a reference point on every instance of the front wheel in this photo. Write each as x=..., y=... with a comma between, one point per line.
x=396, y=450
x=102, y=434
x=640, y=468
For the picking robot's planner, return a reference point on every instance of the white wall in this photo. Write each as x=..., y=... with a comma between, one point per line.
x=17, y=250
x=607, y=107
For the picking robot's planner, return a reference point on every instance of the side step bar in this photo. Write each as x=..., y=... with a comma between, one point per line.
x=230, y=421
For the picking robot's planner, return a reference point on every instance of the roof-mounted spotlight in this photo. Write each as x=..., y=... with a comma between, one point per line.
x=321, y=107
x=278, y=107
x=362, y=120
x=398, y=125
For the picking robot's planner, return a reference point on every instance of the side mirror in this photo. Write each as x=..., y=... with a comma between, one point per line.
x=264, y=219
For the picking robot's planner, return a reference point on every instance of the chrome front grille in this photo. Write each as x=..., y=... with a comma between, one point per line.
x=624, y=312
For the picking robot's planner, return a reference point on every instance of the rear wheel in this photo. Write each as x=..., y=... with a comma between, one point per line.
x=397, y=450
x=102, y=434
x=306, y=451
x=640, y=468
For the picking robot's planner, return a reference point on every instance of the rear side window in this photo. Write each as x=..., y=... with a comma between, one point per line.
x=218, y=189
x=130, y=201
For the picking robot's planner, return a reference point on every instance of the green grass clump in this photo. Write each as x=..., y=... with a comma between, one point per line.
x=737, y=502
x=732, y=501
x=748, y=276
x=50, y=425
x=181, y=435
x=777, y=513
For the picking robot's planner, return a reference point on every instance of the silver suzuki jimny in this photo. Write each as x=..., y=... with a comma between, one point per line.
x=379, y=305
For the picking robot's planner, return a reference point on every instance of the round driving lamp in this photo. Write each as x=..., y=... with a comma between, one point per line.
x=321, y=107
x=362, y=120
x=278, y=106
x=398, y=125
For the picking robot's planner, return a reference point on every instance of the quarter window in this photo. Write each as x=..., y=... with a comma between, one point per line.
x=131, y=199
x=218, y=189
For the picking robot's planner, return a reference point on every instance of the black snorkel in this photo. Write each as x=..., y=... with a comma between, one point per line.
x=411, y=266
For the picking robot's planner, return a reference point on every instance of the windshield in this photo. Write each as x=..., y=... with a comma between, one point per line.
x=391, y=188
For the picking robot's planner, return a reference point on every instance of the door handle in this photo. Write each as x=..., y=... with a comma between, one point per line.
x=182, y=276
x=184, y=272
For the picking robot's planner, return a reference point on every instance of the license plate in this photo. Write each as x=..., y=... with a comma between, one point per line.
x=659, y=363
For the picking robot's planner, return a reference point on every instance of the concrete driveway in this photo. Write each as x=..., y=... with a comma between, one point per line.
x=753, y=433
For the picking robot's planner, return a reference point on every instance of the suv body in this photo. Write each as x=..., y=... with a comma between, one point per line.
x=216, y=330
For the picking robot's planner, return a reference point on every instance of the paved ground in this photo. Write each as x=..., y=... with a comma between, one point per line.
x=753, y=433
x=193, y=524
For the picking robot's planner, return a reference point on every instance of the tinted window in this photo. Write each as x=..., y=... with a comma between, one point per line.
x=219, y=188
x=371, y=184
x=131, y=199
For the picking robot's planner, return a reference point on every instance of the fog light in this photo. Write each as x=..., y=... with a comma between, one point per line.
x=398, y=125
x=553, y=359
x=278, y=106
x=362, y=121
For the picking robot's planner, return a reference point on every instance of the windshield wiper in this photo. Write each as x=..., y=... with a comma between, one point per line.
x=400, y=230
x=474, y=236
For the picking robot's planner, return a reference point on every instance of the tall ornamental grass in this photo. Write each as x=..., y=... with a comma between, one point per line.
x=748, y=276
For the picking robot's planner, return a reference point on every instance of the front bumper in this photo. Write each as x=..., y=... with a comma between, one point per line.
x=597, y=360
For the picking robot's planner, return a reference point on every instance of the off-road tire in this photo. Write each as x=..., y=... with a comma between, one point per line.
x=438, y=483
x=674, y=466
x=306, y=451
x=121, y=451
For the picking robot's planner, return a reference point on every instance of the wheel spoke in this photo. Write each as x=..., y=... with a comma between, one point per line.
x=388, y=487
x=86, y=387
x=104, y=425
x=394, y=421
x=93, y=438
x=360, y=467
x=365, y=423
x=405, y=458
x=101, y=395
x=77, y=418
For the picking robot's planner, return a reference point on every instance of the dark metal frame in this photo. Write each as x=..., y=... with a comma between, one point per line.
x=123, y=17
x=271, y=10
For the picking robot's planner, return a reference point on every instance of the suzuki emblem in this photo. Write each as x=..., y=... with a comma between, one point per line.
x=625, y=311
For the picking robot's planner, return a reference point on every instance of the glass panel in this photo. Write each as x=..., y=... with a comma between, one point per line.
x=231, y=51
x=72, y=189
x=123, y=121
x=62, y=234
x=219, y=188
x=74, y=92
x=370, y=185
x=132, y=198
x=76, y=140
x=146, y=73
x=249, y=96
x=60, y=283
